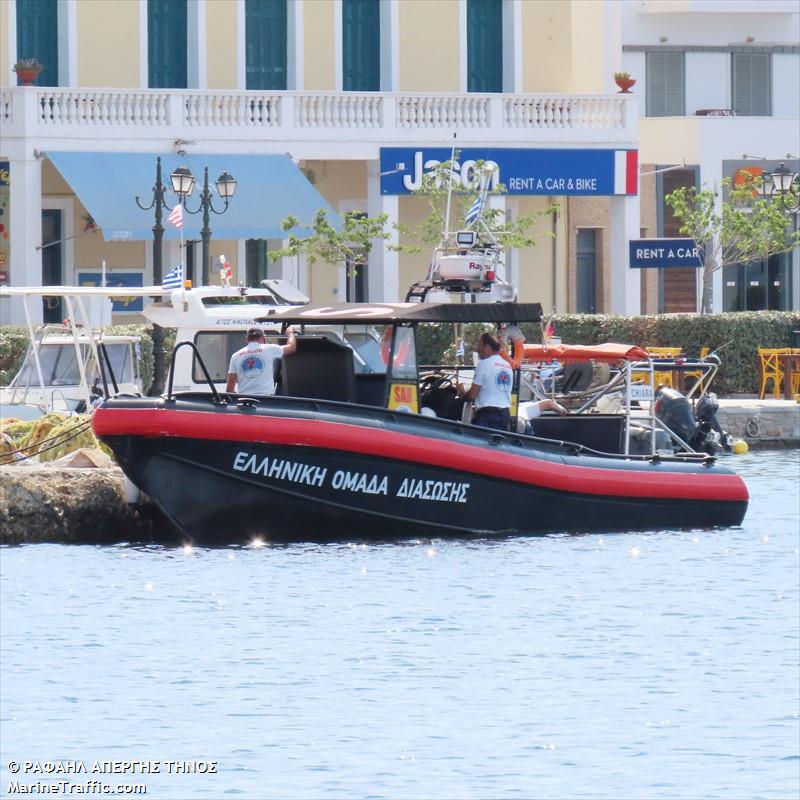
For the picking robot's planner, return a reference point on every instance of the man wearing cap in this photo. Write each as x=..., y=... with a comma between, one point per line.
x=250, y=370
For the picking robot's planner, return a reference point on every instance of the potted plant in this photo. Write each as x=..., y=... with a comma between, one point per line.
x=27, y=70
x=624, y=81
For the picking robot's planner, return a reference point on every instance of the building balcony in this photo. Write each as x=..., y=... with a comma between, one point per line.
x=311, y=124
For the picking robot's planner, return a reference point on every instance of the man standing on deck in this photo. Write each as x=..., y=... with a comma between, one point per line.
x=491, y=386
x=252, y=366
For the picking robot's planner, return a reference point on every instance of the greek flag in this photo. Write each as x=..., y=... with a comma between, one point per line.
x=460, y=348
x=174, y=278
x=475, y=210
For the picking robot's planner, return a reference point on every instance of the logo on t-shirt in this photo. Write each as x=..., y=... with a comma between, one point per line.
x=252, y=364
x=503, y=380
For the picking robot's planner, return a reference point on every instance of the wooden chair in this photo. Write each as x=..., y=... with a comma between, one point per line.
x=796, y=375
x=770, y=370
x=664, y=378
x=697, y=374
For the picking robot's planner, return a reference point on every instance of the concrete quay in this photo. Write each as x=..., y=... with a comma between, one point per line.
x=761, y=423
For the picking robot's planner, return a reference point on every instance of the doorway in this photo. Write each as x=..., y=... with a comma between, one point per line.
x=52, y=264
x=586, y=271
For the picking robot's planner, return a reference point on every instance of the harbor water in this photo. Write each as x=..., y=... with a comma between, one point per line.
x=629, y=665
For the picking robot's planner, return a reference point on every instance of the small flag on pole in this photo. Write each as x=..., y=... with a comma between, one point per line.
x=176, y=216
x=475, y=210
x=460, y=348
x=174, y=278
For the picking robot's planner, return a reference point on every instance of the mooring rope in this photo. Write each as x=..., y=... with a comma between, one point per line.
x=59, y=439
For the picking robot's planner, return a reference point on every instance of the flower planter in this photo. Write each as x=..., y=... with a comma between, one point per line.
x=27, y=77
x=624, y=84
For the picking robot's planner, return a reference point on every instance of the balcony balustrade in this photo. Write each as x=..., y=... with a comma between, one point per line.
x=377, y=118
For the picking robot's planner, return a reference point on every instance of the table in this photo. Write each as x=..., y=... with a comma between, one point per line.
x=790, y=362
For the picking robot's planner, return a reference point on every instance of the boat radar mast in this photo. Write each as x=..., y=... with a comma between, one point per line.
x=467, y=261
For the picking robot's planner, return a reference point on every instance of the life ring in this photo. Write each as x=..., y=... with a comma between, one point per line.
x=401, y=355
x=516, y=353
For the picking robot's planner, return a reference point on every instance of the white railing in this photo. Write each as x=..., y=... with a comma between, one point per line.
x=443, y=111
x=339, y=110
x=89, y=108
x=376, y=117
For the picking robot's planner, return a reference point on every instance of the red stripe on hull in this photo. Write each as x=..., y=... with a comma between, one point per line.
x=661, y=483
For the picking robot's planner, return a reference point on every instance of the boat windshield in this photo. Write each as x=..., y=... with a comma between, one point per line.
x=120, y=356
x=366, y=352
x=60, y=365
x=49, y=356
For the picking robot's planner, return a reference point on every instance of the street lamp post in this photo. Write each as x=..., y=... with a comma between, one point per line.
x=159, y=204
x=785, y=188
x=183, y=182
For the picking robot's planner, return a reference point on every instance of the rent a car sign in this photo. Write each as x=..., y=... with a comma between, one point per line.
x=664, y=253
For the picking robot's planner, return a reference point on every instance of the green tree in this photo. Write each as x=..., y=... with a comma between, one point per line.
x=749, y=227
x=349, y=244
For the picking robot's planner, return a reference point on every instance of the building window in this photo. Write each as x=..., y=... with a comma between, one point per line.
x=167, y=44
x=665, y=85
x=37, y=36
x=265, y=44
x=361, y=48
x=484, y=45
x=752, y=84
x=759, y=285
x=256, y=261
x=586, y=272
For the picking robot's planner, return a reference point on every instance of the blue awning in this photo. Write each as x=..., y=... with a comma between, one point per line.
x=270, y=188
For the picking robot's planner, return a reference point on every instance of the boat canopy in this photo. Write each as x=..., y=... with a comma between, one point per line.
x=578, y=352
x=390, y=313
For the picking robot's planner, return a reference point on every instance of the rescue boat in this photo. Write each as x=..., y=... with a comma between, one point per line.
x=347, y=449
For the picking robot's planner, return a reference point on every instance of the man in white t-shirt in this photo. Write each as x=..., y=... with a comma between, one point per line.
x=491, y=386
x=250, y=370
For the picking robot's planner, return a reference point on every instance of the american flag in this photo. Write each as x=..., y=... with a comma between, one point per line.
x=173, y=279
x=176, y=216
x=475, y=210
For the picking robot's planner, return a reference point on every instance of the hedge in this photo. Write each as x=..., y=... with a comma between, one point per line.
x=737, y=337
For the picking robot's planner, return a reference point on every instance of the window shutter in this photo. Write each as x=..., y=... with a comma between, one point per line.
x=665, y=85
x=361, y=45
x=265, y=44
x=752, y=84
x=484, y=46
x=167, y=44
x=37, y=36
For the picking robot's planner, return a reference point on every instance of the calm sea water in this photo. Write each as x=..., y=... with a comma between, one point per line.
x=661, y=665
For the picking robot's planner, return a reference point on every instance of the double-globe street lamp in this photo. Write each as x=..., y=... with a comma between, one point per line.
x=159, y=204
x=183, y=183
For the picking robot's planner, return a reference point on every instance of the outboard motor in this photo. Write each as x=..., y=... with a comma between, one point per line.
x=675, y=411
x=706, y=412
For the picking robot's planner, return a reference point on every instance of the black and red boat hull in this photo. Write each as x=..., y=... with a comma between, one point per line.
x=289, y=470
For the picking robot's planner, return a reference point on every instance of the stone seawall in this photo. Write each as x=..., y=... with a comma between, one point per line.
x=762, y=423
x=69, y=504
